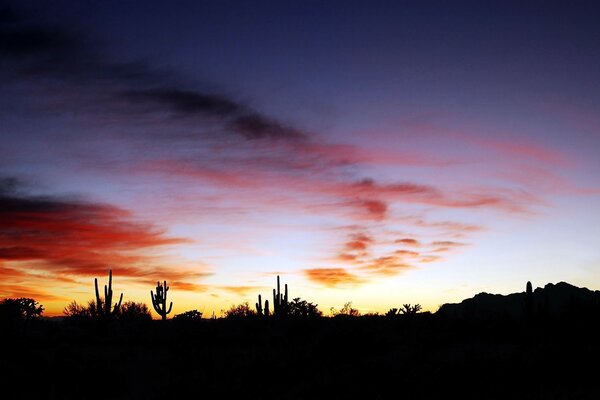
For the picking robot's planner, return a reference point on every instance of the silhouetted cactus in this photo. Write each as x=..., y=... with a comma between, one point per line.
x=280, y=303
x=159, y=301
x=259, y=307
x=407, y=309
x=392, y=312
x=529, y=301
x=105, y=308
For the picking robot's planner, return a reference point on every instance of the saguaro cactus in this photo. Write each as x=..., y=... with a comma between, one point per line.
x=529, y=301
x=280, y=303
x=159, y=301
x=259, y=307
x=105, y=307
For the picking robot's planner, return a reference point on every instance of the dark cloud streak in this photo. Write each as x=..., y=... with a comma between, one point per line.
x=237, y=117
x=33, y=51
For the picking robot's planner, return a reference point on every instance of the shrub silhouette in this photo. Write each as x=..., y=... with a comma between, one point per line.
x=239, y=311
x=131, y=311
x=159, y=300
x=392, y=312
x=104, y=307
x=346, y=311
x=22, y=308
x=302, y=308
x=191, y=315
x=75, y=310
x=407, y=309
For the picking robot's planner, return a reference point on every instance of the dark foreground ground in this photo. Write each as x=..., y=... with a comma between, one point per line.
x=423, y=356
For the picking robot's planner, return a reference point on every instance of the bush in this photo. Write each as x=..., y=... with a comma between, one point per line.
x=241, y=310
x=302, y=308
x=346, y=311
x=22, y=308
x=132, y=311
x=191, y=315
x=74, y=310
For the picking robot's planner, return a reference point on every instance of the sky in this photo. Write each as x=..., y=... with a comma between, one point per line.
x=381, y=153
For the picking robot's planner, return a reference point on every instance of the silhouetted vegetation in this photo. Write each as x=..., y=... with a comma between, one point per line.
x=299, y=308
x=406, y=309
x=239, y=311
x=78, y=311
x=132, y=311
x=159, y=300
x=345, y=311
x=21, y=308
x=104, y=307
x=191, y=315
x=259, y=307
x=280, y=301
x=485, y=347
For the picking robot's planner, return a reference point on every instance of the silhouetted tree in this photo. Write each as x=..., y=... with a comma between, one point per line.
x=159, y=301
x=104, y=306
x=131, y=311
x=241, y=310
x=346, y=310
x=302, y=308
x=22, y=308
x=191, y=315
x=75, y=310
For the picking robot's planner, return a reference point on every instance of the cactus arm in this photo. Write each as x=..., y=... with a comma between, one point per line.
x=155, y=303
x=259, y=309
x=98, y=299
x=170, y=306
x=118, y=305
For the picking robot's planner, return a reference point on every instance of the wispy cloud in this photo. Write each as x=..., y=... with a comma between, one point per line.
x=408, y=242
x=332, y=276
x=72, y=237
x=168, y=128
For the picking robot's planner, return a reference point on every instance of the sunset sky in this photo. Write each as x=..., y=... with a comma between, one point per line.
x=375, y=152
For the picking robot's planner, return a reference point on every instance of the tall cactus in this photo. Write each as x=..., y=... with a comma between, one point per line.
x=159, y=301
x=104, y=307
x=280, y=303
x=259, y=307
x=529, y=301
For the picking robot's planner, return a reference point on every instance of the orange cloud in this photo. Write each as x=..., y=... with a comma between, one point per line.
x=448, y=243
x=332, y=276
x=241, y=290
x=408, y=242
x=430, y=259
x=406, y=253
x=9, y=290
x=64, y=237
x=386, y=266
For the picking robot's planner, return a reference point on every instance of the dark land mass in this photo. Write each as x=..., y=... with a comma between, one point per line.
x=542, y=345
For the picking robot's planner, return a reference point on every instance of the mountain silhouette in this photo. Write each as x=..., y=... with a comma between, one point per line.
x=551, y=300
